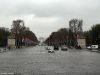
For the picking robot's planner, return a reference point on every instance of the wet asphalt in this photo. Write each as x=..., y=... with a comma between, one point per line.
x=37, y=61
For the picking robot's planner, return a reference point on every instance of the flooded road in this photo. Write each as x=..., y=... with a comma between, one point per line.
x=37, y=61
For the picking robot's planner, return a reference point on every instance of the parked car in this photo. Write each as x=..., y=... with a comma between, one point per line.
x=48, y=47
x=64, y=48
x=93, y=47
x=51, y=51
x=89, y=47
x=56, y=47
x=78, y=47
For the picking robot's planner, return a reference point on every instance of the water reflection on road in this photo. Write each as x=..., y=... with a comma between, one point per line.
x=37, y=61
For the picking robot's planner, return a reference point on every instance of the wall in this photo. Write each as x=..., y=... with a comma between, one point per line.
x=11, y=42
x=82, y=42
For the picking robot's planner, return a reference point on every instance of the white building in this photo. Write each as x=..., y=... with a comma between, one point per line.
x=82, y=42
x=11, y=42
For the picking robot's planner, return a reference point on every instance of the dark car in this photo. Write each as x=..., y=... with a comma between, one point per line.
x=51, y=51
x=56, y=48
x=78, y=47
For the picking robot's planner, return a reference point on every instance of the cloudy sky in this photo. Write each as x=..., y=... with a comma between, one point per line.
x=46, y=16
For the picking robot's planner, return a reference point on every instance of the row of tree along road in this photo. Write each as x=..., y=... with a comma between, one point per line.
x=19, y=35
x=74, y=36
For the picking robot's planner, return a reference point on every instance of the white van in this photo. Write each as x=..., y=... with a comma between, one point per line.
x=94, y=46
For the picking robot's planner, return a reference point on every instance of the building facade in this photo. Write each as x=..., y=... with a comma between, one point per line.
x=81, y=42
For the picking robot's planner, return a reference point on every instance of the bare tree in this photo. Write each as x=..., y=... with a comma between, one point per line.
x=75, y=26
x=17, y=30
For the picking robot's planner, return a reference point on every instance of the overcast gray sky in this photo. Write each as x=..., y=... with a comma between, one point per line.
x=46, y=16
